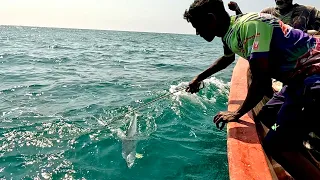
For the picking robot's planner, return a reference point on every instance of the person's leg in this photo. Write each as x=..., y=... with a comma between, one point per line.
x=283, y=141
x=269, y=112
x=312, y=141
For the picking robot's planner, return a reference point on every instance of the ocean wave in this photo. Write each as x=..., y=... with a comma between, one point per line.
x=60, y=47
x=63, y=97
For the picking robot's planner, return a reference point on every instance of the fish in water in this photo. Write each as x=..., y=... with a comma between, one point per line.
x=129, y=142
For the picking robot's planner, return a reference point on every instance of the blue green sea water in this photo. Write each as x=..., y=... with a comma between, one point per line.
x=63, y=94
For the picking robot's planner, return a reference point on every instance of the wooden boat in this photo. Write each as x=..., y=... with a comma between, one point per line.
x=246, y=157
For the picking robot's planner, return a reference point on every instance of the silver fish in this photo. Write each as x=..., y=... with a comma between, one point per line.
x=129, y=142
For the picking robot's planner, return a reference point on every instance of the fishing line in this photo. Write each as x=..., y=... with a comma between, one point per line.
x=106, y=124
x=151, y=102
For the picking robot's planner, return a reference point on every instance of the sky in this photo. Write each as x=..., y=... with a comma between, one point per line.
x=126, y=15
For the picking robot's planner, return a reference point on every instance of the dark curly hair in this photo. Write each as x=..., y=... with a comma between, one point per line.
x=199, y=8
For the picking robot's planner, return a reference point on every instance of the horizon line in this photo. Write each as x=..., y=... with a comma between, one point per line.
x=95, y=29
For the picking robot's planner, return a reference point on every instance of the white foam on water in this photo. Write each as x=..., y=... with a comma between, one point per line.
x=222, y=86
x=179, y=92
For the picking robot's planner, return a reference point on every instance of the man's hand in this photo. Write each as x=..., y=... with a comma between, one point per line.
x=194, y=86
x=224, y=117
x=233, y=6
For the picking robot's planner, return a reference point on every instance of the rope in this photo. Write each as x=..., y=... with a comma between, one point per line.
x=148, y=103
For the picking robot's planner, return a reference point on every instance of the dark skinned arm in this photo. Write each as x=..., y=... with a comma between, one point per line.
x=217, y=66
x=233, y=6
x=238, y=11
x=261, y=81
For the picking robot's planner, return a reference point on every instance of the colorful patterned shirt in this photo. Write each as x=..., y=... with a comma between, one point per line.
x=259, y=35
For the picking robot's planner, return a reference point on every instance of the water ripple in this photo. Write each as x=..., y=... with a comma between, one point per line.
x=64, y=93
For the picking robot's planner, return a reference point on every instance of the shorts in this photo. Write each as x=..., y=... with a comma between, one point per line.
x=292, y=114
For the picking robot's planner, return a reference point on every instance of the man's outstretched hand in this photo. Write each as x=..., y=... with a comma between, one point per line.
x=194, y=86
